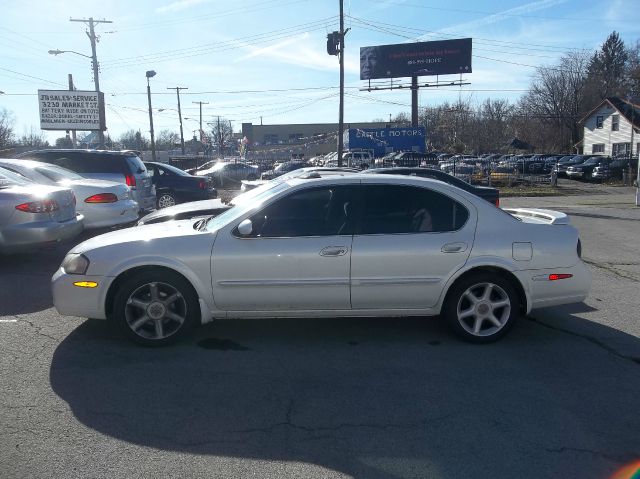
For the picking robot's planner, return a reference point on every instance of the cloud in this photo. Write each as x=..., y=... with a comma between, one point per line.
x=502, y=16
x=299, y=52
x=180, y=5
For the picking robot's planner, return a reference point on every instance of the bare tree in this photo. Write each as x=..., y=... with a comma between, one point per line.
x=555, y=101
x=6, y=128
x=133, y=140
x=167, y=140
x=33, y=138
x=221, y=135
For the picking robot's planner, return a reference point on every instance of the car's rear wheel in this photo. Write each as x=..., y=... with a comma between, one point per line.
x=155, y=307
x=166, y=200
x=481, y=308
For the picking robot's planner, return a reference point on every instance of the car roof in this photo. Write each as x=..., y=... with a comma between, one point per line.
x=25, y=163
x=83, y=151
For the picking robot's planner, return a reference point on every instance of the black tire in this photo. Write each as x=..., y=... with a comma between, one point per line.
x=162, y=326
x=166, y=199
x=494, y=320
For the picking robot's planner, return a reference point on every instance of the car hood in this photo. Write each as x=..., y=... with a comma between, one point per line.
x=140, y=234
x=185, y=207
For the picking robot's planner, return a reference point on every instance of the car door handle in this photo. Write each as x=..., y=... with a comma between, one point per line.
x=334, y=251
x=454, y=247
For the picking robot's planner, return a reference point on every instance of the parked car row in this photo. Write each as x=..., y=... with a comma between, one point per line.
x=33, y=215
x=109, y=189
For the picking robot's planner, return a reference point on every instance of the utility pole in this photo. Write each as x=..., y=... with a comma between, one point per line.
x=94, y=60
x=151, y=74
x=177, y=89
x=74, y=141
x=341, y=110
x=200, y=103
x=219, y=138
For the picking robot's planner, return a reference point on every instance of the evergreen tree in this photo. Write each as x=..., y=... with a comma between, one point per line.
x=607, y=69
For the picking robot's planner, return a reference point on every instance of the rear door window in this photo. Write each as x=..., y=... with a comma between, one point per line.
x=393, y=209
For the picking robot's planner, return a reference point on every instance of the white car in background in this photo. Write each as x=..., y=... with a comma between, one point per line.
x=34, y=215
x=102, y=203
x=335, y=246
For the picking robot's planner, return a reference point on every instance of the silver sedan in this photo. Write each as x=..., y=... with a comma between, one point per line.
x=353, y=245
x=32, y=215
x=102, y=203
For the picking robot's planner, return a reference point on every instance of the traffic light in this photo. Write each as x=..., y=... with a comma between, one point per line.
x=333, y=43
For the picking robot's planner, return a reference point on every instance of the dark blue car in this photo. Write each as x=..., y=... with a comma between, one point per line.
x=174, y=186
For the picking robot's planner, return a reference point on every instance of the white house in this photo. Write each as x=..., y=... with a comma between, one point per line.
x=607, y=128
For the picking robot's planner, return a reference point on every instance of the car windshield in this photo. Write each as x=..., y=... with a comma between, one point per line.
x=247, y=204
x=11, y=178
x=592, y=161
x=175, y=170
x=57, y=173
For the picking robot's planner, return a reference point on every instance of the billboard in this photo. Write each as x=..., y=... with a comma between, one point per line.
x=71, y=110
x=443, y=57
x=385, y=140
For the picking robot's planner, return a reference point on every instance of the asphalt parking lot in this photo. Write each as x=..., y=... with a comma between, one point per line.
x=332, y=398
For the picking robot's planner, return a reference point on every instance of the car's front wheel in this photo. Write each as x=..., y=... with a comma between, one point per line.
x=481, y=308
x=166, y=200
x=155, y=307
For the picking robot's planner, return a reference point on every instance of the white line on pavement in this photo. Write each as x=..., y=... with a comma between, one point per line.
x=8, y=320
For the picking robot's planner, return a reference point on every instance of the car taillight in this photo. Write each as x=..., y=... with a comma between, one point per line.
x=45, y=206
x=130, y=180
x=498, y=202
x=202, y=185
x=102, y=198
x=557, y=276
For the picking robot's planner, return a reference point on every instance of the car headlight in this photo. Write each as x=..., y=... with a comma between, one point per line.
x=75, y=264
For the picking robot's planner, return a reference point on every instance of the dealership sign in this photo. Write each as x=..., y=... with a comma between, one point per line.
x=71, y=110
x=385, y=140
x=415, y=59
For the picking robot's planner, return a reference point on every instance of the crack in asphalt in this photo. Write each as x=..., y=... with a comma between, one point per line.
x=382, y=427
x=612, y=269
x=37, y=327
x=617, y=458
x=591, y=339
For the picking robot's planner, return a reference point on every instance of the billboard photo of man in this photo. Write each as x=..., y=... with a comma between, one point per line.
x=442, y=57
x=369, y=61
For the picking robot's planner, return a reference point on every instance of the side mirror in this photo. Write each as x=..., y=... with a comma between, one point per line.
x=245, y=228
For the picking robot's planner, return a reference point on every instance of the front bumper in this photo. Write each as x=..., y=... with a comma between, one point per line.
x=71, y=300
x=28, y=236
x=575, y=174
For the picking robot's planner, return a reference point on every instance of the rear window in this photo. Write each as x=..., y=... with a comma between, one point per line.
x=136, y=166
x=10, y=178
x=84, y=162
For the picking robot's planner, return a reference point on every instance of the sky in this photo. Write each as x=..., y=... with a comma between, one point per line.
x=266, y=60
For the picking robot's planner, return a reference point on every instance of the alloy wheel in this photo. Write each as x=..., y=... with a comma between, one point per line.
x=155, y=311
x=483, y=309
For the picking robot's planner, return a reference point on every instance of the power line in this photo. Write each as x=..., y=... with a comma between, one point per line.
x=256, y=39
x=497, y=14
x=34, y=77
x=266, y=5
x=524, y=46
